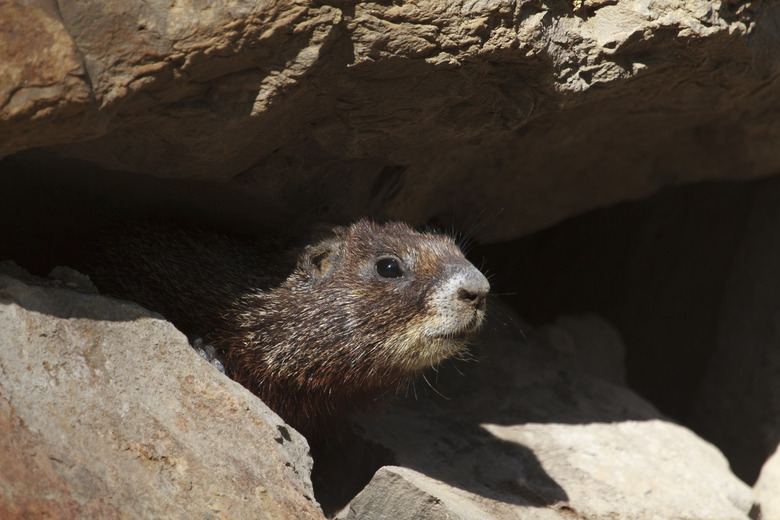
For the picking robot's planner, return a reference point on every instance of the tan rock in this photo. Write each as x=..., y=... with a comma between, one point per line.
x=107, y=412
x=45, y=96
x=431, y=111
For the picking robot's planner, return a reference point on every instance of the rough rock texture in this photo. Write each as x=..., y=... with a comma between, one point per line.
x=738, y=406
x=106, y=412
x=512, y=113
x=521, y=436
x=767, y=488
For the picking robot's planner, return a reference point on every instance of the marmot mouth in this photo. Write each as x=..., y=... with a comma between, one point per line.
x=460, y=335
x=464, y=332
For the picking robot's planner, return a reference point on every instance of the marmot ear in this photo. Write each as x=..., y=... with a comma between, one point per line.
x=322, y=255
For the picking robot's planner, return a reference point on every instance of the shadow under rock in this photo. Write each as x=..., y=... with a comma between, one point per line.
x=446, y=430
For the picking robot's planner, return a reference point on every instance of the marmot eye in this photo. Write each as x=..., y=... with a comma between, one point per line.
x=389, y=268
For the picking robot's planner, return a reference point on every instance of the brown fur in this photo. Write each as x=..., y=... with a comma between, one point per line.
x=314, y=330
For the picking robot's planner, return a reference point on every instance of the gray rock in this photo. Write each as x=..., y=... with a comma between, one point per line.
x=107, y=412
x=522, y=435
x=12, y=269
x=425, y=111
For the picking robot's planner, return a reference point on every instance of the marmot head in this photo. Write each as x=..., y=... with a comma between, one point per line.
x=315, y=330
x=390, y=299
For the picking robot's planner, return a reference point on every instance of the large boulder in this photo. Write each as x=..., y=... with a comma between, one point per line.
x=525, y=111
x=107, y=412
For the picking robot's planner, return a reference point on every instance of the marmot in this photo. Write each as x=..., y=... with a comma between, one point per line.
x=314, y=330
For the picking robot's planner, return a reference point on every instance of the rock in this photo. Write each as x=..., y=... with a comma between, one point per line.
x=45, y=96
x=398, y=493
x=12, y=269
x=520, y=435
x=102, y=402
x=72, y=279
x=767, y=488
x=589, y=344
x=425, y=111
x=738, y=404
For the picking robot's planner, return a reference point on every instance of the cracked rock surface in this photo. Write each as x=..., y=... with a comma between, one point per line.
x=531, y=110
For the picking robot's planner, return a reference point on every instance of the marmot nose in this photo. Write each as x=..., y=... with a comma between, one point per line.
x=474, y=289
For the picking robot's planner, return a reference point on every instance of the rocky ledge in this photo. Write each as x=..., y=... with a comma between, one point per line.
x=527, y=111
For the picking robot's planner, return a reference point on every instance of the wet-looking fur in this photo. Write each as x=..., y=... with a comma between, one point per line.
x=315, y=330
